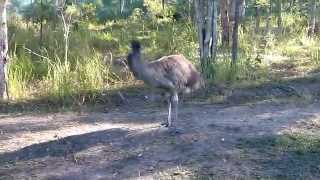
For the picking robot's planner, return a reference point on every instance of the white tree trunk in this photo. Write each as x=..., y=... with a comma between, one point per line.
x=122, y=3
x=269, y=14
x=66, y=30
x=208, y=30
x=3, y=45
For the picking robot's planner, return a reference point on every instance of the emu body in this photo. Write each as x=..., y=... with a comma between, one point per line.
x=173, y=74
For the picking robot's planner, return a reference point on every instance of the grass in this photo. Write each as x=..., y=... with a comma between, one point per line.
x=86, y=72
x=293, y=153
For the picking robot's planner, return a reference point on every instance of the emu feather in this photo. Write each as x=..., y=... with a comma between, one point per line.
x=173, y=73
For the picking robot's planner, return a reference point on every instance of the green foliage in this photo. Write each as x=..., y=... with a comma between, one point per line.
x=160, y=34
x=39, y=11
x=88, y=11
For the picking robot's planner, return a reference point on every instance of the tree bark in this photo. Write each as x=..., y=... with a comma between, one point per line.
x=257, y=16
x=214, y=30
x=122, y=4
x=200, y=25
x=41, y=24
x=208, y=30
x=66, y=30
x=312, y=23
x=224, y=22
x=269, y=17
x=235, y=32
x=279, y=19
x=3, y=46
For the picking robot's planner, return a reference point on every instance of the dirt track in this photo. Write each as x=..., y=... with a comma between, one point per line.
x=122, y=144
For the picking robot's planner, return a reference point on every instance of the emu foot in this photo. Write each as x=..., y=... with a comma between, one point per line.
x=165, y=124
x=172, y=130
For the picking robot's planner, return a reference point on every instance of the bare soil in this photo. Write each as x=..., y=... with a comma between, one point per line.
x=232, y=140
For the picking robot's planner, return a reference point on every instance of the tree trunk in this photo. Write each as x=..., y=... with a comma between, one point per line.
x=122, y=4
x=235, y=32
x=312, y=23
x=257, y=16
x=279, y=19
x=3, y=46
x=224, y=22
x=189, y=9
x=269, y=17
x=206, y=16
x=214, y=30
x=41, y=24
x=200, y=25
x=208, y=30
x=66, y=31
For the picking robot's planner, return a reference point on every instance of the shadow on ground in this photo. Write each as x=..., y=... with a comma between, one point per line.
x=281, y=157
x=198, y=152
x=99, y=101
x=63, y=146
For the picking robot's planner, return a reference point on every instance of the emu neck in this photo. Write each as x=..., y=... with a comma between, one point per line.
x=137, y=66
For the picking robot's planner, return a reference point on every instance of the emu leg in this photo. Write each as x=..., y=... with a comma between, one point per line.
x=169, y=122
x=175, y=101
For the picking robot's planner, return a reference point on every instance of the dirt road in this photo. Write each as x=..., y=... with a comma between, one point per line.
x=219, y=141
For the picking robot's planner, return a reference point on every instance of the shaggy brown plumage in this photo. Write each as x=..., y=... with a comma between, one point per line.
x=172, y=73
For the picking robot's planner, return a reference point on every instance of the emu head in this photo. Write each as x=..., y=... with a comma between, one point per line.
x=133, y=58
x=134, y=55
x=135, y=46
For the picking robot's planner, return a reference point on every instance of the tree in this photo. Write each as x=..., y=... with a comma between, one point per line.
x=279, y=18
x=206, y=20
x=122, y=4
x=224, y=22
x=39, y=12
x=312, y=22
x=257, y=16
x=227, y=13
x=234, y=51
x=68, y=13
x=3, y=45
x=269, y=14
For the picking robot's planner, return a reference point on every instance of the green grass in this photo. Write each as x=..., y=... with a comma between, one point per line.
x=30, y=76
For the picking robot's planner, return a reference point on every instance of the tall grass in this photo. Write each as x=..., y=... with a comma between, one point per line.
x=85, y=72
x=63, y=80
x=20, y=72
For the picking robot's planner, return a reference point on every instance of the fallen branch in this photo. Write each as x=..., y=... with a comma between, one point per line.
x=39, y=55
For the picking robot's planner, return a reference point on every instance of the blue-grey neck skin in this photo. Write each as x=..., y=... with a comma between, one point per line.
x=137, y=67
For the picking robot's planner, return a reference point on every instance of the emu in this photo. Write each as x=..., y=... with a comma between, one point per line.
x=174, y=74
